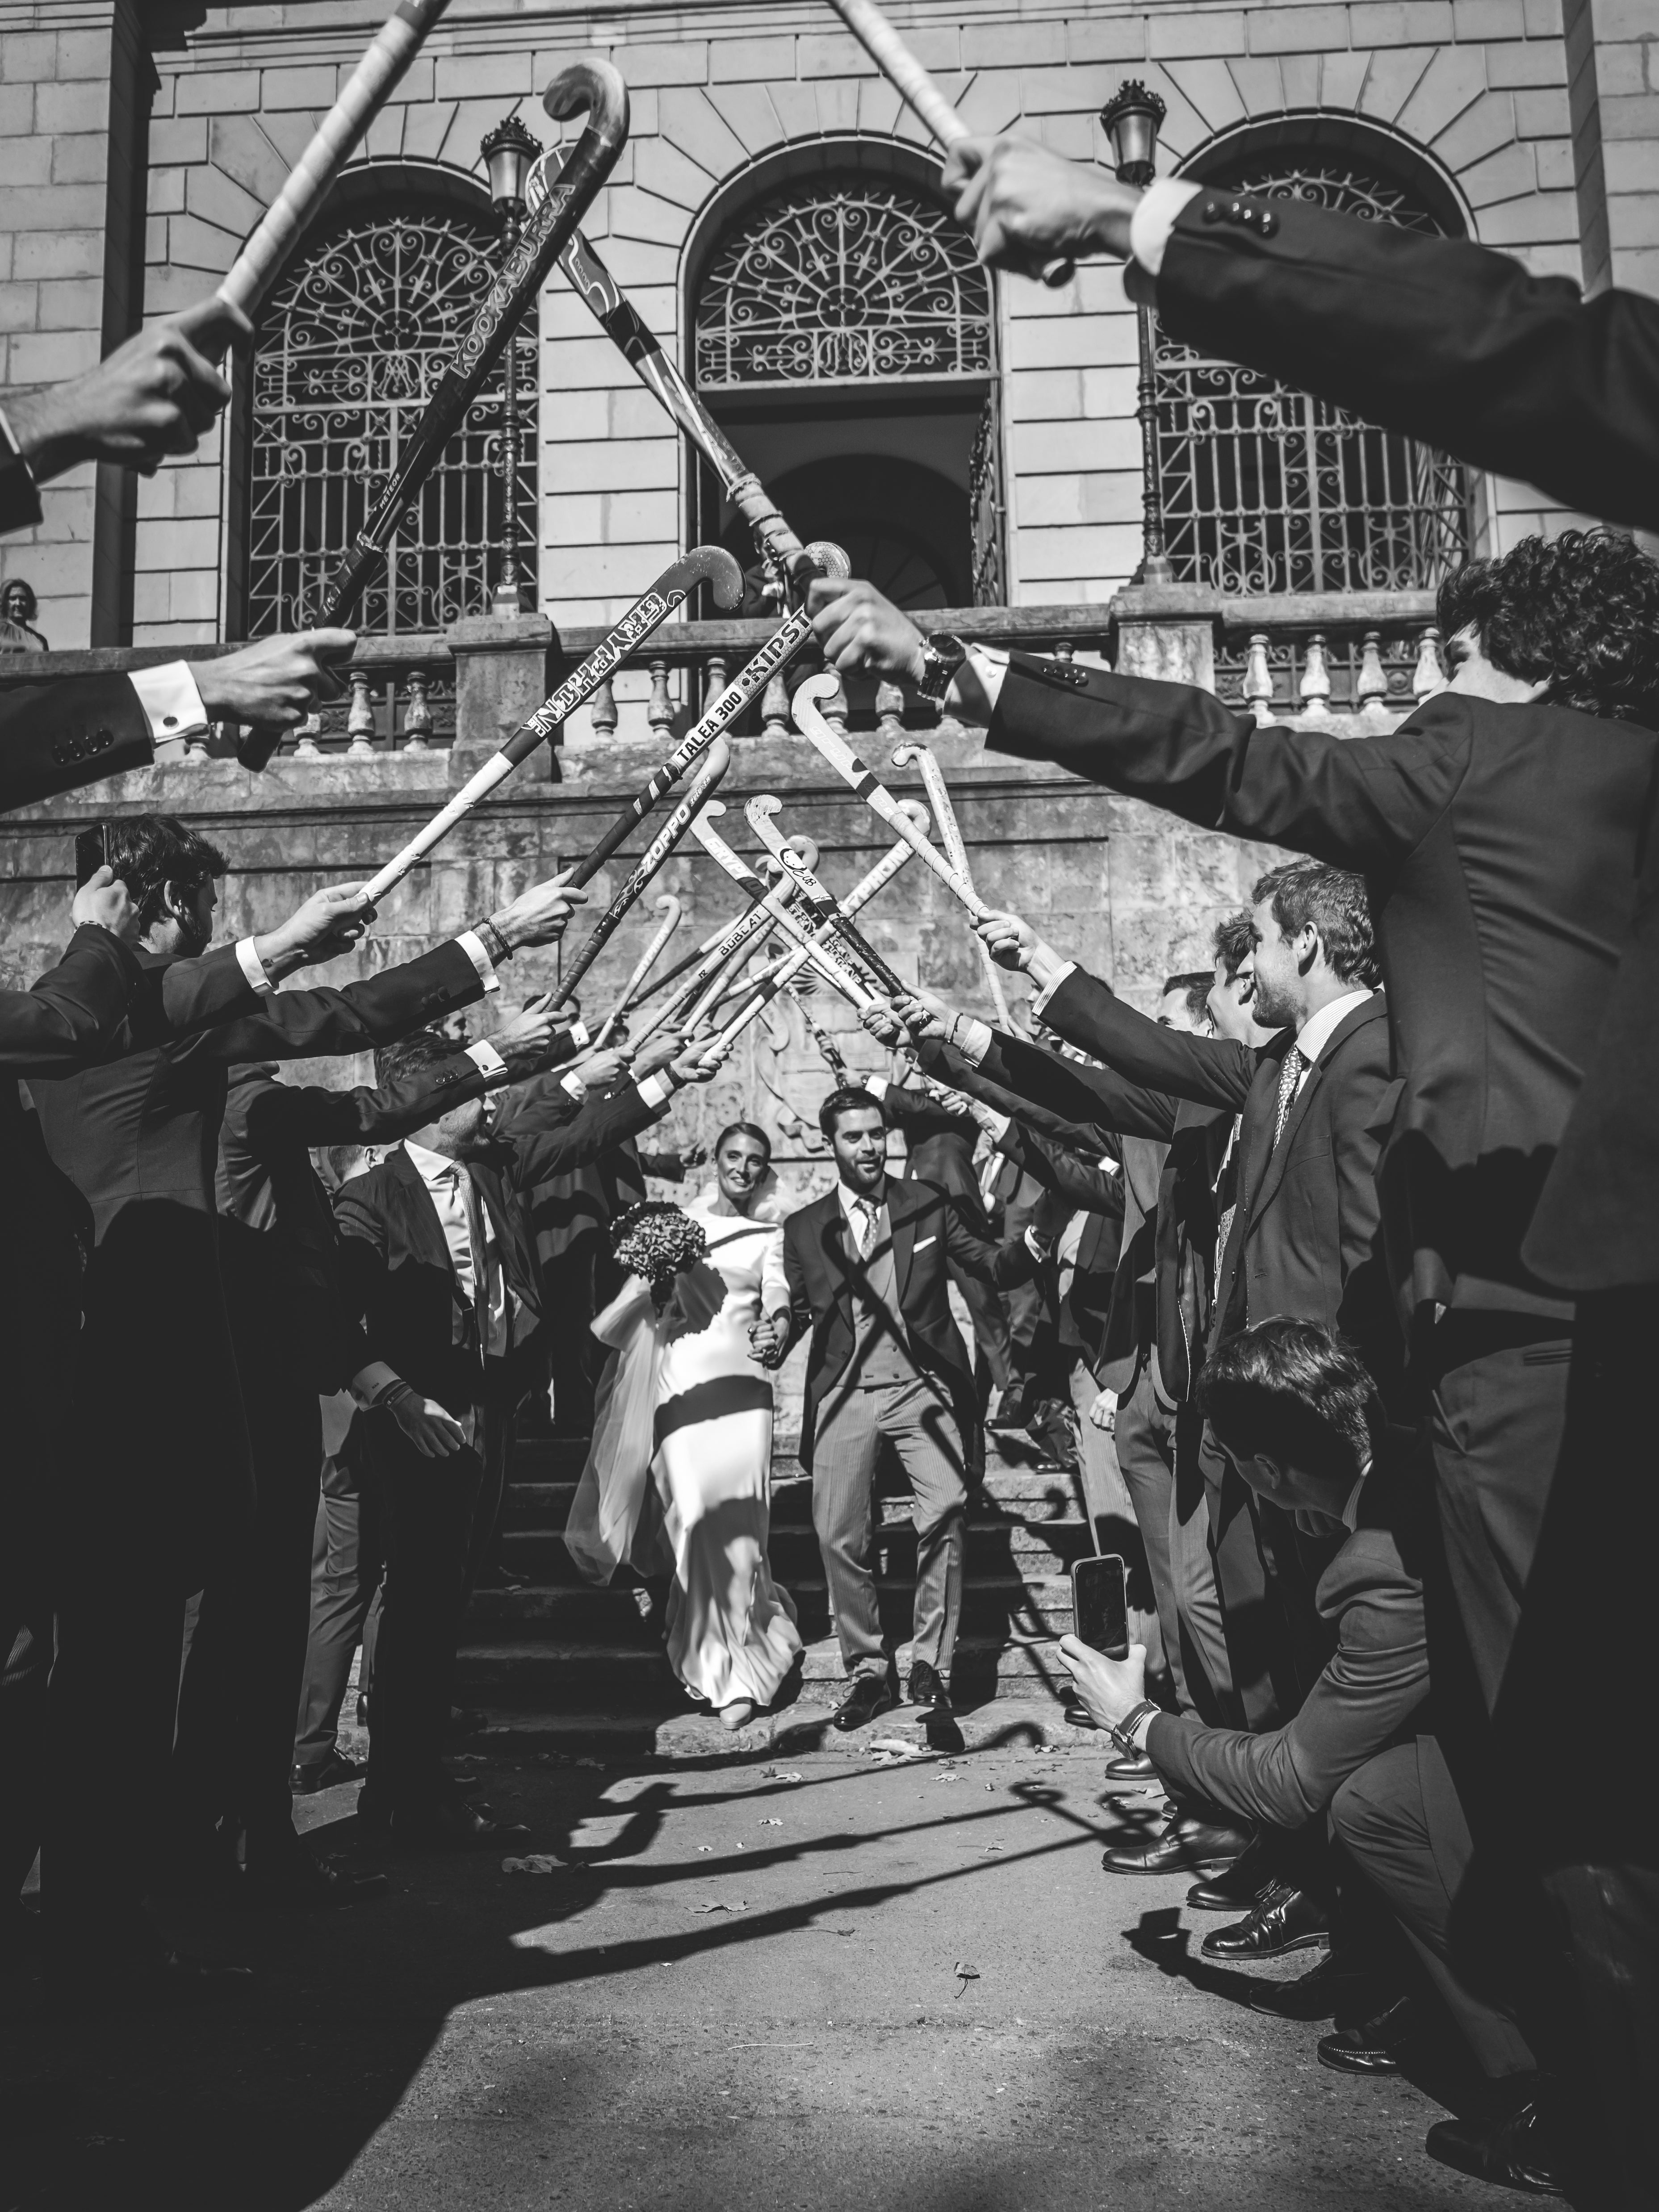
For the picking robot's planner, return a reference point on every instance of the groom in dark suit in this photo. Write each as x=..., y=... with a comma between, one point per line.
x=866, y=1266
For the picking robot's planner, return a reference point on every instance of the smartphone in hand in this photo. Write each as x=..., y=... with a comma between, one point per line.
x=1100, y=1605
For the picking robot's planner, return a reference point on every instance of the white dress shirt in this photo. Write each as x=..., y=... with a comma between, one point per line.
x=1315, y=1033
x=470, y=1233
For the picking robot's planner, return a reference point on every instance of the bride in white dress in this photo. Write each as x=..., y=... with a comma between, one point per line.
x=732, y=1633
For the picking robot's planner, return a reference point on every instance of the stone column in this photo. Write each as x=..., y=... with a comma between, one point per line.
x=502, y=675
x=1168, y=631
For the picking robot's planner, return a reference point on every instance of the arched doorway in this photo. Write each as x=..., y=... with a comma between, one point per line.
x=842, y=332
x=346, y=354
x=1265, y=489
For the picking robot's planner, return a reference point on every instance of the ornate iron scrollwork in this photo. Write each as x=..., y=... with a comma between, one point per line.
x=349, y=347
x=850, y=281
x=1266, y=489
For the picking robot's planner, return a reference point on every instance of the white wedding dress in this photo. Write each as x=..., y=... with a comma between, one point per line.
x=688, y=1374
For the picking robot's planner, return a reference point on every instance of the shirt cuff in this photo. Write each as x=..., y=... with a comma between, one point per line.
x=576, y=1088
x=370, y=1384
x=877, y=1085
x=248, y=960
x=656, y=1091
x=1039, y=1002
x=169, y=701
x=1154, y=219
x=970, y=1037
x=473, y=945
x=580, y=1036
x=996, y=1126
x=486, y=1057
x=991, y=667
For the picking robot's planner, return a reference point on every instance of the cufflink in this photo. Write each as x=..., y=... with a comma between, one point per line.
x=169, y=721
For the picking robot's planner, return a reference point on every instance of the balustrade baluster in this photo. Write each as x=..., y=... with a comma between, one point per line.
x=834, y=708
x=417, y=716
x=659, y=713
x=360, y=718
x=602, y=712
x=714, y=680
x=1429, y=675
x=306, y=734
x=1258, y=678
x=889, y=707
x=775, y=708
x=1316, y=685
x=1371, y=683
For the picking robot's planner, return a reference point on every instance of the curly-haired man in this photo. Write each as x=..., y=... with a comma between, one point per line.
x=1502, y=832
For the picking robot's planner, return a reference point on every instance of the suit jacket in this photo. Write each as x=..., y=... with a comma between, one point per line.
x=1195, y=1138
x=397, y=1269
x=1370, y=1694
x=69, y=730
x=1305, y=1236
x=940, y=1144
x=1497, y=934
x=929, y=1229
x=278, y=1245
x=1089, y=1190
x=138, y=1139
x=1446, y=341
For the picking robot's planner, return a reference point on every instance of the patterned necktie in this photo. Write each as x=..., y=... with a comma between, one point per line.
x=1290, y=1076
x=864, y=1225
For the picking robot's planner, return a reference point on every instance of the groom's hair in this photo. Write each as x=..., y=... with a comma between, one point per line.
x=851, y=1098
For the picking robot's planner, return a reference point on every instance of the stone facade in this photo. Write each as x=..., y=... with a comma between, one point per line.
x=1543, y=131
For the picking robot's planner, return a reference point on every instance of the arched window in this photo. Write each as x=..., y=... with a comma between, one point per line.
x=842, y=330
x=1266, y=489
x=348, y=347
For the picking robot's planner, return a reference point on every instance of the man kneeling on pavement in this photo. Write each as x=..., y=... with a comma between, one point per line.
x=1295, y=1407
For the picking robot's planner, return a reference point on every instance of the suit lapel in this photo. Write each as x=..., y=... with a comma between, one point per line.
x=424, y=1230
x=1273, y=1171
x=901, y=1210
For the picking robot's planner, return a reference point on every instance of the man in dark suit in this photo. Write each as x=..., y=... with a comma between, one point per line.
x=1302, y=1416
x=1499, y=938
x=440, y=1267
x=867, y=1270
x=939, y=1149
x=161, y=1480
x=296, y=1341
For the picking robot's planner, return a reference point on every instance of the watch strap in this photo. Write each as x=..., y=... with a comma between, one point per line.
x=942, y=655
x=1123, y=1735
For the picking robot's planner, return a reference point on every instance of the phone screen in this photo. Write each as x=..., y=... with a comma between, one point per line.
x=1100, y=1605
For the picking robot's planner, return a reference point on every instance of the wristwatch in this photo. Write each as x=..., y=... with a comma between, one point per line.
x=942, y=654
x=1123, y=1735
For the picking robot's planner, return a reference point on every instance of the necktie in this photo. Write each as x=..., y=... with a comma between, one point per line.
x=1290, y=1077
x=865, y=1213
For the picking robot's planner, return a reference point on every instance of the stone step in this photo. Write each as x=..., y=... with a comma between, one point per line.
x=1019, y=1714
x=539, y=1555
x=613, y=1615
x=1031, y=1494
x=581, y=1678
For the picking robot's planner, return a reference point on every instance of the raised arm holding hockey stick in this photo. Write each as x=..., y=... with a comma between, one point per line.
x=950, y=836
x=670, y=909
x=917, y=88
x=704, y=563
x=870, y=788
x=596, y=86
x=719, y=760
x=758, y=813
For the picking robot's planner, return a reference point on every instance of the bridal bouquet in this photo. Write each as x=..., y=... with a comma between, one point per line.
x=657, y=1241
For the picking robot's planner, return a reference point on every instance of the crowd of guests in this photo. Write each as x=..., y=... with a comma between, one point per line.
x=1356, y=1242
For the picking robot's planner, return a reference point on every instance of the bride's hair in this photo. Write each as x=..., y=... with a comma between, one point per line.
x=743, y=1129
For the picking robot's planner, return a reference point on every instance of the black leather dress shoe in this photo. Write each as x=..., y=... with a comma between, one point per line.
x=868, y=1695
x=1375, y=2046
x=303, y=1884
x=1184, y=1846
x=1282, y=1919
x=330, y=1774
x=1512, y=2152
x=453, y=1826
x=1331, y=1987
x=1137, y=1767
x=1237, y=1887
x=925, y=1687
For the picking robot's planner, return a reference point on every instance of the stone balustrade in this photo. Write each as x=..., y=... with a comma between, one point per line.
x=1356, y=664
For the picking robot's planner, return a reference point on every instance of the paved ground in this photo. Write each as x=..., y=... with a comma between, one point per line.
x=740, y=1989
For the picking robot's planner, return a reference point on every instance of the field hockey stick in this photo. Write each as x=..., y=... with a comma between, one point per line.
x=950, y=836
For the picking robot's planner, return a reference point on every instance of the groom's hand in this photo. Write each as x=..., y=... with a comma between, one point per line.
x=767, y=1338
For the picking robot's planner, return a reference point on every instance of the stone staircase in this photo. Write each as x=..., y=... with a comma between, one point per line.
x=557, y=1663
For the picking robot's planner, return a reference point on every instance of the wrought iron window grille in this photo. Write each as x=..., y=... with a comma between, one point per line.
x=1265, y=489
x=850, y=281
x=348, y=349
